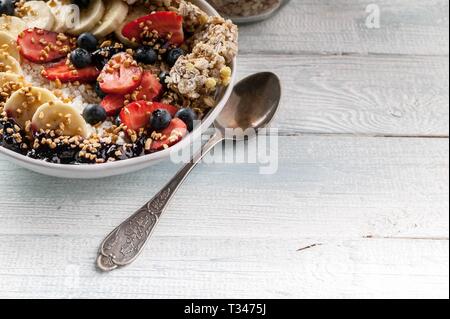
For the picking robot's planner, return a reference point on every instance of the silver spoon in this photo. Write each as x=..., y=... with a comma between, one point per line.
x=252, y=105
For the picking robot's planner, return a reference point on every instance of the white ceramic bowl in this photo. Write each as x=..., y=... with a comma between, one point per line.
x=129, y=165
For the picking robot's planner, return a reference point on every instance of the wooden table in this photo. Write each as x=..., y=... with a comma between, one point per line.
x=358, y=207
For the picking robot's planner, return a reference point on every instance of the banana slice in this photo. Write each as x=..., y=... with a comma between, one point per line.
x=133, y=14
x=11, y=78
x=8, y=44
x=66, y=15
x=23, y=103
x=89, y=17
x=10, y=83
x=37, y=14
x=12, y=25
x=115, y=13
x=9, y=64
x=59, y=116
x=60, y=10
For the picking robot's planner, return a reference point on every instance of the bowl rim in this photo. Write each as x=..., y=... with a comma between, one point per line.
x=136, y=161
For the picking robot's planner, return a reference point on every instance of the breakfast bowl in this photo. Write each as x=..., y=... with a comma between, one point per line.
x=133, y=163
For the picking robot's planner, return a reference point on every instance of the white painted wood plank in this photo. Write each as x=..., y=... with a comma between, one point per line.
x=339, y=27
x=354, y=95
x=325, y=187
x=214, y=267
x=376, y=207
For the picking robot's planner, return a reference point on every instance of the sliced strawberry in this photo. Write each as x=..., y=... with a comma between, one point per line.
x=169, y=108
x=42, y=46
x=150, y=87
x=137, y=114
x=113, y=104
x=66, y=73
x=121, y=75
x=172, y=135
x=169, y=25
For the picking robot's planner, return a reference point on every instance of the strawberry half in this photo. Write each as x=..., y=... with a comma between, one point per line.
x=113, y=104
x=150, y=87
x=65, y=73
x=169, y=108
x=173, y=134
x=42, y=46
x=121, y=75
x=137, y=114
x=168, y=25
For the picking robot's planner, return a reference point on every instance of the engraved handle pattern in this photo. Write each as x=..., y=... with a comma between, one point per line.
x=127, y=241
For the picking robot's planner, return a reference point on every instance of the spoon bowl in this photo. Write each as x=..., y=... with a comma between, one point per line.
x=252, y=105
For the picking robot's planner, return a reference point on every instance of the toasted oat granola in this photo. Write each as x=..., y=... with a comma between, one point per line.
x=196, y=76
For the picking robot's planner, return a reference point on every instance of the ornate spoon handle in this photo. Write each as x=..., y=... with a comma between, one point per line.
x=127, y=241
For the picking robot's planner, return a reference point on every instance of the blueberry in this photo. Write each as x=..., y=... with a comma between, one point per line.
x=94, y=114
x=62, y=154
x=162, y=78
x=134, y=150
x=65, y=153
x=107, y=151
x=146, y=55
x=7, y=7
x=80, y=58
x=103, y=55
x=174, y=55
x=160, y=120
x=87, y=41
x=188, y=117
x=99, y=91
x=10, y=141
x=81, y=3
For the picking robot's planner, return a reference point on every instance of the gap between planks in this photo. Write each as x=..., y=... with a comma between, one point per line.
x=318, y=134
x=341, y=54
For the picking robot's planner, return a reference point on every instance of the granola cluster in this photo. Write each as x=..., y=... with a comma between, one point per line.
x=192, y=15
x=197, y=75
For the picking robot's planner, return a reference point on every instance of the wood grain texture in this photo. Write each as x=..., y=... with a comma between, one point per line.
x=381, y=96
x=339, y=187
x=177, y=267
x=339, y=27
x=376, y=209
